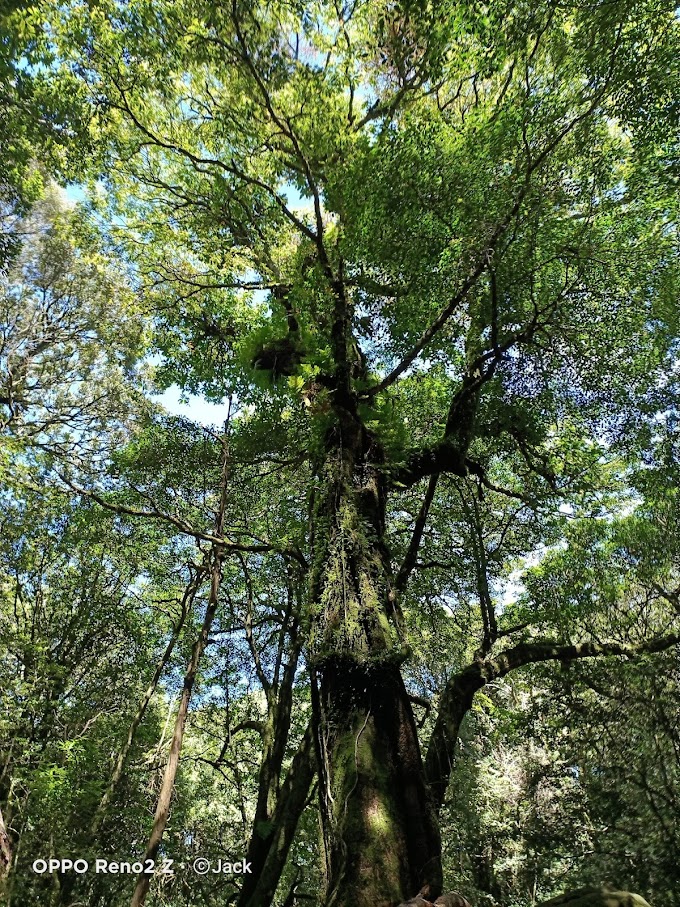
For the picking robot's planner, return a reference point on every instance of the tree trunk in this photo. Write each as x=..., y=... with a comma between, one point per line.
x=168, y=785
x=290, y=804
x=382, y=839
x=275, y=739
x=380, y=831
x=5, y=852
x=121, y=759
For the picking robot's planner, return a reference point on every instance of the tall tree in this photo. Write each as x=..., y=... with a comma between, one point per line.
x=412, y=239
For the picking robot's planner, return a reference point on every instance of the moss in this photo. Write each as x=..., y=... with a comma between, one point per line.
x=348, y=610
x=365, y=809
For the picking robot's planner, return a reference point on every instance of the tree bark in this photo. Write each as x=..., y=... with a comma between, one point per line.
x=5, y=851
x=381, y=837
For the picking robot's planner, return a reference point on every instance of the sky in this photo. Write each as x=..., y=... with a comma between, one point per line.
x=194, y=408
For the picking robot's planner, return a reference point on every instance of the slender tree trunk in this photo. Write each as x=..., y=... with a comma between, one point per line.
x=5, y=852
x=381, y=836
x=121, y=759
x=291, y=802
x=275, y=738
x=168, y=785
x=5, y=841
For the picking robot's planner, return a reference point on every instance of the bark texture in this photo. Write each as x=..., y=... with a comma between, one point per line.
x=382, y=840
x=380, y=831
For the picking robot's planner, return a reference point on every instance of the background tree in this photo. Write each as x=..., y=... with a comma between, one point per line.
x=44, y=120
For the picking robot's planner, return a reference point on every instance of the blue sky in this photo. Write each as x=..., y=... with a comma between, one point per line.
x=194, y=408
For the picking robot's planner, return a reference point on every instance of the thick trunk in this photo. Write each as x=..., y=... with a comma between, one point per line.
x=380, y=832
x=382, y=840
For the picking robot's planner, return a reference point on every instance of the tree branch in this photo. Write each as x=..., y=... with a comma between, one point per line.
x=180, y=524
x=459, y=692
x=450, y=453
x=480, y=265
x=411, y=557
x=200, y=163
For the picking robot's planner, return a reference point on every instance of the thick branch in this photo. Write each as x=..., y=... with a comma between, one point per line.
x=450, y=454
x=444, y=456
x=411, y=558
x=461, y=688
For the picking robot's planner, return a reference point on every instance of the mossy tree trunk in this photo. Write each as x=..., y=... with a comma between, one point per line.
x=380, y=831
x=381, y=836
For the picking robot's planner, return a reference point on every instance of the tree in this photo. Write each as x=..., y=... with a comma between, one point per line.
x=411, y=240
x=75, y=649
x=543, y=797
x=70, y=336
x=44, y=124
